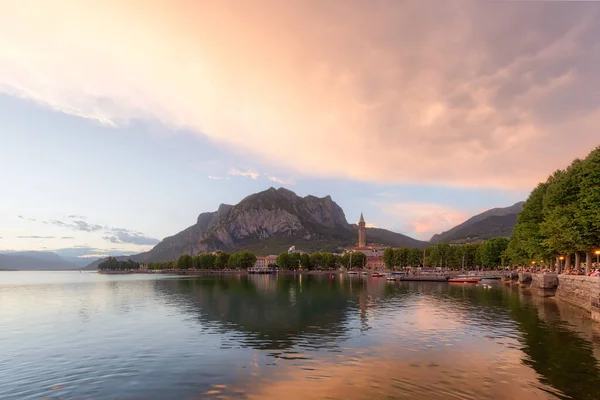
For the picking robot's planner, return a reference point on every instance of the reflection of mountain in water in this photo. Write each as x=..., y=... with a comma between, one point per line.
x=271, y=312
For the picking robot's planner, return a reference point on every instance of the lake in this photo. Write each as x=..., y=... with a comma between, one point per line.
x=85, y=335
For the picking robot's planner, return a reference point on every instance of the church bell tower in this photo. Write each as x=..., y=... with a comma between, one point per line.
x=362, y=232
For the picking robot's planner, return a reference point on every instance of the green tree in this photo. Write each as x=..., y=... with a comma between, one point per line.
x=588, y=208
x=527, y=237
x=241, y=260
x=305, y=261
x=221, y=260
x=185, y=262
x=414, y=257
x=401, y=256
x=317, y=260
x=560, y=224
x=389, y=258
x=284, y=261
x=330, y=261
x=356, y=260
x=491, y=252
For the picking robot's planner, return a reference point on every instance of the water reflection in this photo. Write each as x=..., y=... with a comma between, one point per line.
x=266, y=312
x=156, y=337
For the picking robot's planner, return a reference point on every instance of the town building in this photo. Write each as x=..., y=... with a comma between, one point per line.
x=362, y=232
x=293, y=250
x=263, y=262
x=373, y=251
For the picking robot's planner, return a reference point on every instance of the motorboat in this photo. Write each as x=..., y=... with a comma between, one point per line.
x=377, y=275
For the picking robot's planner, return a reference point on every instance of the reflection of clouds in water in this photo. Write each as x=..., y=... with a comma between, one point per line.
x=432, y=374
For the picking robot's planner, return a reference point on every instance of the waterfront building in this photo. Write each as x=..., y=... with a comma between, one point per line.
x=373, y=252
x=265, y=261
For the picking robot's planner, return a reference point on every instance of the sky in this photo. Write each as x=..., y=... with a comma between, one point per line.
x=122, y=121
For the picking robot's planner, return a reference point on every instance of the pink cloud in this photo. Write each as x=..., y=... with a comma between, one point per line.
x=281, y=181
x=392, y=93
x=423, y=220
x=249, y=173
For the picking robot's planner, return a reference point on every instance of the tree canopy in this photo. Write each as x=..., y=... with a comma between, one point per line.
x=561, y=215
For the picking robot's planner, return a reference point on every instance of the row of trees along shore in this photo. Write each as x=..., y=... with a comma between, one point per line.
x=561, y=217
x=246, y=259
x=209, y=261
x=489, y=254
x=111, y=264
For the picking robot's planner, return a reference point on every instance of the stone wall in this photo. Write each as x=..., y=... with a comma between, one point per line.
x=544, y=284
x=579, y=290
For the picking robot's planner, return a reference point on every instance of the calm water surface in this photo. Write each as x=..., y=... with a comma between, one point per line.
x=88, y=336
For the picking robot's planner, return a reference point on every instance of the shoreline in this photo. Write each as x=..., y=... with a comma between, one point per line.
x=216, y=272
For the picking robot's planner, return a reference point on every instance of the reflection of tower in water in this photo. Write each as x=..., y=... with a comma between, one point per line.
x=372, y=289
x=363, y=304
x=263, y=282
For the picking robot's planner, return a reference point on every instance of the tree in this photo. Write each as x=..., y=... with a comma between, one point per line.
x=401, y=257
x=491, y=252
x=389, y=258
x=112, y=264
x=354, y=260
x=588, y=207
x=185, y=262
x=305, y=261
x=284, y=261
x=414, y=257
x=560, y=225
x=317, y=260
x=221, y=260
x=330, y=261
x=242, y=260
x=529, y=240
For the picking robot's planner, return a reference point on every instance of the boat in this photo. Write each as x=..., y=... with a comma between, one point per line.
x=364, y=273
x=423, y=278
x=377, y=275
x=352, y=272
x=469, y=279
x=391, y=278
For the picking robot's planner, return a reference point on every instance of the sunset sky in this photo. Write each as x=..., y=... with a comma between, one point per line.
x=123, y=120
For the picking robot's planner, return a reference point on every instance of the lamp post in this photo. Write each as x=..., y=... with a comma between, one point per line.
x=597, y=258
x=560, y=266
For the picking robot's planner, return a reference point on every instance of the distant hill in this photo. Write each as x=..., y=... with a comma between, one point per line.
x=497, y=222
x=34, y=260
x=269, y=222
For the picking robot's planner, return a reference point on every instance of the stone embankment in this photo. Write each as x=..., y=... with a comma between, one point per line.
x=582, y=291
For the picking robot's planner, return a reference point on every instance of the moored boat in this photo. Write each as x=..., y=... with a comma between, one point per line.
x=377, y=275
x=470, y=279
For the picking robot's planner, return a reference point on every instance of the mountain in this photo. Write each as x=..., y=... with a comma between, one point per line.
x=497, y=222
x=269, y=222
x=34, y=260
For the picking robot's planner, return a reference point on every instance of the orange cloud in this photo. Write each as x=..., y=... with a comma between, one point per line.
x=393, y=93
